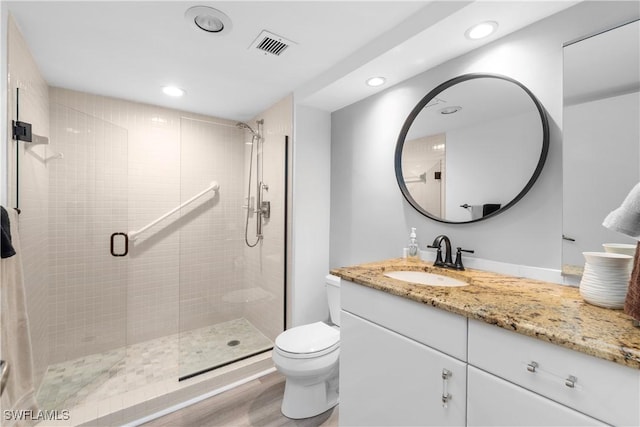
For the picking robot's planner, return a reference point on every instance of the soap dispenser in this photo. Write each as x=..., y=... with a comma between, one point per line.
x=413, y=251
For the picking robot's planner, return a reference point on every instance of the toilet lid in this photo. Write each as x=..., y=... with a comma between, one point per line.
x=311, y=338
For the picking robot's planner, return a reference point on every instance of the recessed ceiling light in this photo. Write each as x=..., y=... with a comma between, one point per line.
x=208, y=19
x=481, y=30
x=450, y=110
x=173, y=91
x=376, y=81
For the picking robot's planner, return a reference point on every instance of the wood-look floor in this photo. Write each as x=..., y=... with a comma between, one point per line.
x=256, y=403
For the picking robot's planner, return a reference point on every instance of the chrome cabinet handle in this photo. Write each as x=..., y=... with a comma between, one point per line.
x=446, y=397
x=571, y=381
x=531, y=367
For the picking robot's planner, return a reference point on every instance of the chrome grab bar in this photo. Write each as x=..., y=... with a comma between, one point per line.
x=133, y=235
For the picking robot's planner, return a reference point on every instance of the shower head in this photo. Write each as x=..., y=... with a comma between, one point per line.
x=243, y=125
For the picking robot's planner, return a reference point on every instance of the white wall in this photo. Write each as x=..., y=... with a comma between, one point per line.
x=490, y=162
x=370, y=220
x=602, y=136
x=311, y=212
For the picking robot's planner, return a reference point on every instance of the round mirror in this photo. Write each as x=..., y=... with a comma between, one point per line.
x=471, y=148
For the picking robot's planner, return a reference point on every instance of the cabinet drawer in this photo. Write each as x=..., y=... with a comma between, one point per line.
x=439, y=329
x=602, y=389
x=493, y=401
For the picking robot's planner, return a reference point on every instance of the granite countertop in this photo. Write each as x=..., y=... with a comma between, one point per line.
x=547, y=311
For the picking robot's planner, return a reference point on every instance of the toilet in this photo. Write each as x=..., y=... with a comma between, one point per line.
x=307, y=356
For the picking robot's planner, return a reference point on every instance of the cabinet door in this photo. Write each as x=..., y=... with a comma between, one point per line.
x=492, y=401
x=387, y=379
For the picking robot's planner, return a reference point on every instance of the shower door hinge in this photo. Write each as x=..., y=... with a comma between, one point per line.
x=21, y=131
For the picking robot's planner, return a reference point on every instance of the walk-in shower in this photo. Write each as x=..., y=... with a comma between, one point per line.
x=262, y=209
x=149, y=276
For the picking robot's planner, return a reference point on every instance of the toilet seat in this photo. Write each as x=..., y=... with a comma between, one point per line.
x=307, y=341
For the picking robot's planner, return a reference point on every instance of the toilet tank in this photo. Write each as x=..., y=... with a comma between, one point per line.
x=333, y=297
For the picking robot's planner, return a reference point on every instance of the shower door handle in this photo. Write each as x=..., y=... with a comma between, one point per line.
x=126, y=244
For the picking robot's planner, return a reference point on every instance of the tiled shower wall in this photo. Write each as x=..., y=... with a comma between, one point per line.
x=266, y=262
x=34, y=184
x=185, y=272
x=211, y=240
x=87, y=202
x=153, y=187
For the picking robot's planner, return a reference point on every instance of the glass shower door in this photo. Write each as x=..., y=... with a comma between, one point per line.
x=224, y=316
x=88, y=202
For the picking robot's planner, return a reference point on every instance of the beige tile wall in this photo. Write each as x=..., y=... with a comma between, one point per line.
x=87, y=202
x=211, y=239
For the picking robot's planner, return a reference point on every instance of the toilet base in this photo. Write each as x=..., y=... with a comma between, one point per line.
x=311, y=385
x=306, y=401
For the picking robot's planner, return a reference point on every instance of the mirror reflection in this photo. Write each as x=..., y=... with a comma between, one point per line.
x=471, y=148
x=601, y=138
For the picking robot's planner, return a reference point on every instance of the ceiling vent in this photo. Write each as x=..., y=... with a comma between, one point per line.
x=269, y=43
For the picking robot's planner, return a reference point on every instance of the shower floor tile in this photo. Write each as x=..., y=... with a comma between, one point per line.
x=215, y=345
x=100, y=376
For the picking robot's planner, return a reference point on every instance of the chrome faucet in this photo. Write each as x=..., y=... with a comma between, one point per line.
x=448, y=262
x=437, y=244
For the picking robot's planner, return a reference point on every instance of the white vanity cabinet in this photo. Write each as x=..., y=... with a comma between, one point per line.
x=601, y=389
x=389, y=377
x=394, y=350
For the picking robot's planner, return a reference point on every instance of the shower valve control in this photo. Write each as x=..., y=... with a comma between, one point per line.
x=265, y=208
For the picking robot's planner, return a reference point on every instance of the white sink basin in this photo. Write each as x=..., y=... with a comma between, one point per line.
x=424, y=278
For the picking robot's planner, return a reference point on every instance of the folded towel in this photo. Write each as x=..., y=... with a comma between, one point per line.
x=489, y=208
x=6, y=248
x=632, y=301
x=626, y=219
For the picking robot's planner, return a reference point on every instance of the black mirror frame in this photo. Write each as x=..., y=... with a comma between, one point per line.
x=424, y=101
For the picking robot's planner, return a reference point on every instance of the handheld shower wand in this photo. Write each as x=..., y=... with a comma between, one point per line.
x=262, y=209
